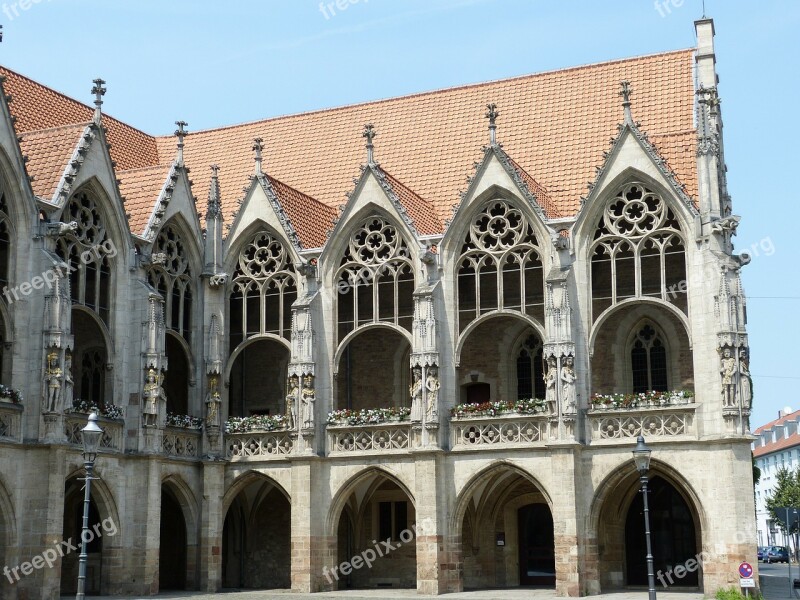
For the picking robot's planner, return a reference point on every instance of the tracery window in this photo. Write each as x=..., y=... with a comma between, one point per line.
x=638, y=251
x=649, y=361
x=375, y=280
x=91, y=385
x=500, y=266
x=530, y=369
x=5, y=240
x=171, y=275
x=264, y=289
x=86, y=251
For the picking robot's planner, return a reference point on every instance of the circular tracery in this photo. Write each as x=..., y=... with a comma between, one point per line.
x=634, y=212
x=262, y=257
x=498, y=227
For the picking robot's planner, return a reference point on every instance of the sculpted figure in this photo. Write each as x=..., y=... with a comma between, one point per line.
x=153, y=395
x=308, y=399
x=728, y=372
x=416, y=394
x=212, y=402
x=68, y=381
x=53, y=378
x=568, y=404
x=432, y=386
x=550, y=384
x=745, y=382
x=292, y=399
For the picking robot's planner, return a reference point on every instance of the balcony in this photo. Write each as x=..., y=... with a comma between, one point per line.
x=651, y=414
x=258, y=445
x=112, y=431
x=10, y=422
x=520, y=423
x=368, y=431
x=180, y=442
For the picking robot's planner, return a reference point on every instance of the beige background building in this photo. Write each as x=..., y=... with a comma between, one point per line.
x=465, y=346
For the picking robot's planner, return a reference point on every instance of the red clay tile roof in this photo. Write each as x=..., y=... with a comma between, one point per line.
x=421, y=212
x=793, y=416
x=49, y=152
x=554, y=125
x=311, y=219
x=543, y=199
x=783, y=442
x=38, y=107
x=141, y=188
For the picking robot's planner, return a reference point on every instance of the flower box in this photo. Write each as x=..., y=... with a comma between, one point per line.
x=9, y=394
x=184, y=421
x=529, y=406
x=368, y=416
x=255, y=423
x=110, y=411
x=649, y=399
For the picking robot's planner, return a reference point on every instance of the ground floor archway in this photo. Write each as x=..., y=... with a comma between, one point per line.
x=73, y=526
x=256, y=537
x=376, y=522
x=172, y=551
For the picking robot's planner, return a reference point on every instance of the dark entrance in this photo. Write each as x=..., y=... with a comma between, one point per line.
x=537, y=562
x=478, y=393
x=673, y=535
x=172, y=549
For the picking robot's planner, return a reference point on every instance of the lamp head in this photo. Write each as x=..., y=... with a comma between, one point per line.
x=641, y=456
x=91, y=436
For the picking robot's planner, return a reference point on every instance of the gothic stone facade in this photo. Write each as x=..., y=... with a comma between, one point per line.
x=277, y=400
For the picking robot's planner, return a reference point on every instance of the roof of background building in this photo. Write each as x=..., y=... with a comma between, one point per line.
x=554, y=126
x=782, y=442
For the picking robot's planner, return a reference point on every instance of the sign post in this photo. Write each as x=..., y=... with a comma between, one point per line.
x=790, y=520
x=746, y=580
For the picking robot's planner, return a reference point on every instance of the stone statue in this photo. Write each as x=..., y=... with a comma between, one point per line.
x=69, y=383
x=728, y=372
x=308, y=399
x=53, y=379
x=550, y=384
x=416, y=394
x=745, y=382
x=568, y=403
x=292, y=402
x=153, y=395
x=212, y=402
x=432, y=386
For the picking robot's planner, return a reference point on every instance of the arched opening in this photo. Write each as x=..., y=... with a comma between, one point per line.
x=376, y=509
x=256, y=538
x=89, y=360
x=5, y=240
x=7, y=530
x=507, y=533
x=374, y=371
x=172, y=551
x=501, y=359
x=258, y=379
x=176, y=380
x=170, y=273
x=675, y=535
x=641, y=347
x=73, y=527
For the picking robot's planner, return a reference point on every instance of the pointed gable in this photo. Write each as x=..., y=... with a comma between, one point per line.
x=141, y=189
x=309, y=218
x=49, y=152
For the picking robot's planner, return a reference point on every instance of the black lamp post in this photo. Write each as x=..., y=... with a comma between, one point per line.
x=90, y=436
x=641, y=457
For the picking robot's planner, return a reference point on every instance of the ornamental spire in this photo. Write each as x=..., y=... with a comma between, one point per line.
x=258, y=147
x=370, y=134
x=625, y=92
x=492, y=114
x=181, y=134
x=213, y=194
x=99, y=91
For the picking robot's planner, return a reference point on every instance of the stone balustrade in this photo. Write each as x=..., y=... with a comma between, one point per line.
x=112, y=431
x=387, y=437
x=181, y=443
x=504, y=430
x=614, y=423
x=255, y=445
x=10, y=422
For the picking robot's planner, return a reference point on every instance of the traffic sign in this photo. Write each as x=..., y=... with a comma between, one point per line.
x=747, y=582
x=745, y=570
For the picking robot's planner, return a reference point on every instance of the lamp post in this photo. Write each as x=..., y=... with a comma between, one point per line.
x=90, y=436
x=641, y=457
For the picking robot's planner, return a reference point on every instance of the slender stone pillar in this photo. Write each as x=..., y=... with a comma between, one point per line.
x=212, y=519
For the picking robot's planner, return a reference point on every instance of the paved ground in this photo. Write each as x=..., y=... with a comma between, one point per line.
x=774, y=587
x=515, y=594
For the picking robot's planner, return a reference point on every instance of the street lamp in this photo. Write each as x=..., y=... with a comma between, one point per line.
x=641, y=457
x=90, y=436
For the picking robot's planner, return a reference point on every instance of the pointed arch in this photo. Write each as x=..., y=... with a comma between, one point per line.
x=244, y=480
x=8, y=525
x=536, y=326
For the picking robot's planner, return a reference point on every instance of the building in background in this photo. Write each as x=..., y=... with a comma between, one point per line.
x=426, y=337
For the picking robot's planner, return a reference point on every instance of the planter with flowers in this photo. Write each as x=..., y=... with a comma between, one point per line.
x=11, y=395
x=368, y=416
x=184, y=421
x=109, y=411
x=259, y=423
x=651, y=399
x=475, y=410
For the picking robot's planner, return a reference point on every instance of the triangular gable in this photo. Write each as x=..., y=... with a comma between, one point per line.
x=49, y=154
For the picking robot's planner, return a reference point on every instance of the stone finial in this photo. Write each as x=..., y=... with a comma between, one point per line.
x=492, y=114
x=257, y=148
x=214, y=209
x=99, y=91
x=181, y=134
x=370, y=134
x=625, y=92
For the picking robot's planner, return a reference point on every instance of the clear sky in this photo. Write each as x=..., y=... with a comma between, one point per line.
x=219, y=63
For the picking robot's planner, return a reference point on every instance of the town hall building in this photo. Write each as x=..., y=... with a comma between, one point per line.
x=421, y=333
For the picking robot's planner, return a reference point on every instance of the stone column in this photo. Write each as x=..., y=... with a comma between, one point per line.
x=567, y=550
x=312, y=548
x=438, y=565
x=151, y=532
x=212, y=520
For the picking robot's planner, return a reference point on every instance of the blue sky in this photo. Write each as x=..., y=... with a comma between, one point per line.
x=219, y=63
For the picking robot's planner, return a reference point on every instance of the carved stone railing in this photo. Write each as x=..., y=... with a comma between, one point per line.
x=112, y=431
x=472, y=432
x=181, y=443
x=624, y=423
x=389, y=437
x=255, y=445
x=10, y=422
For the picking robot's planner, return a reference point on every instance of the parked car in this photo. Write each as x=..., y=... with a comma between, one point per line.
x=777, y=554
x=762, y=552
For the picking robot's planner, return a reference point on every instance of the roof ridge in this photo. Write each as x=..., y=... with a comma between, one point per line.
x=432, y=92
x=272, y=179
x=82, y=124
x=71, y=99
